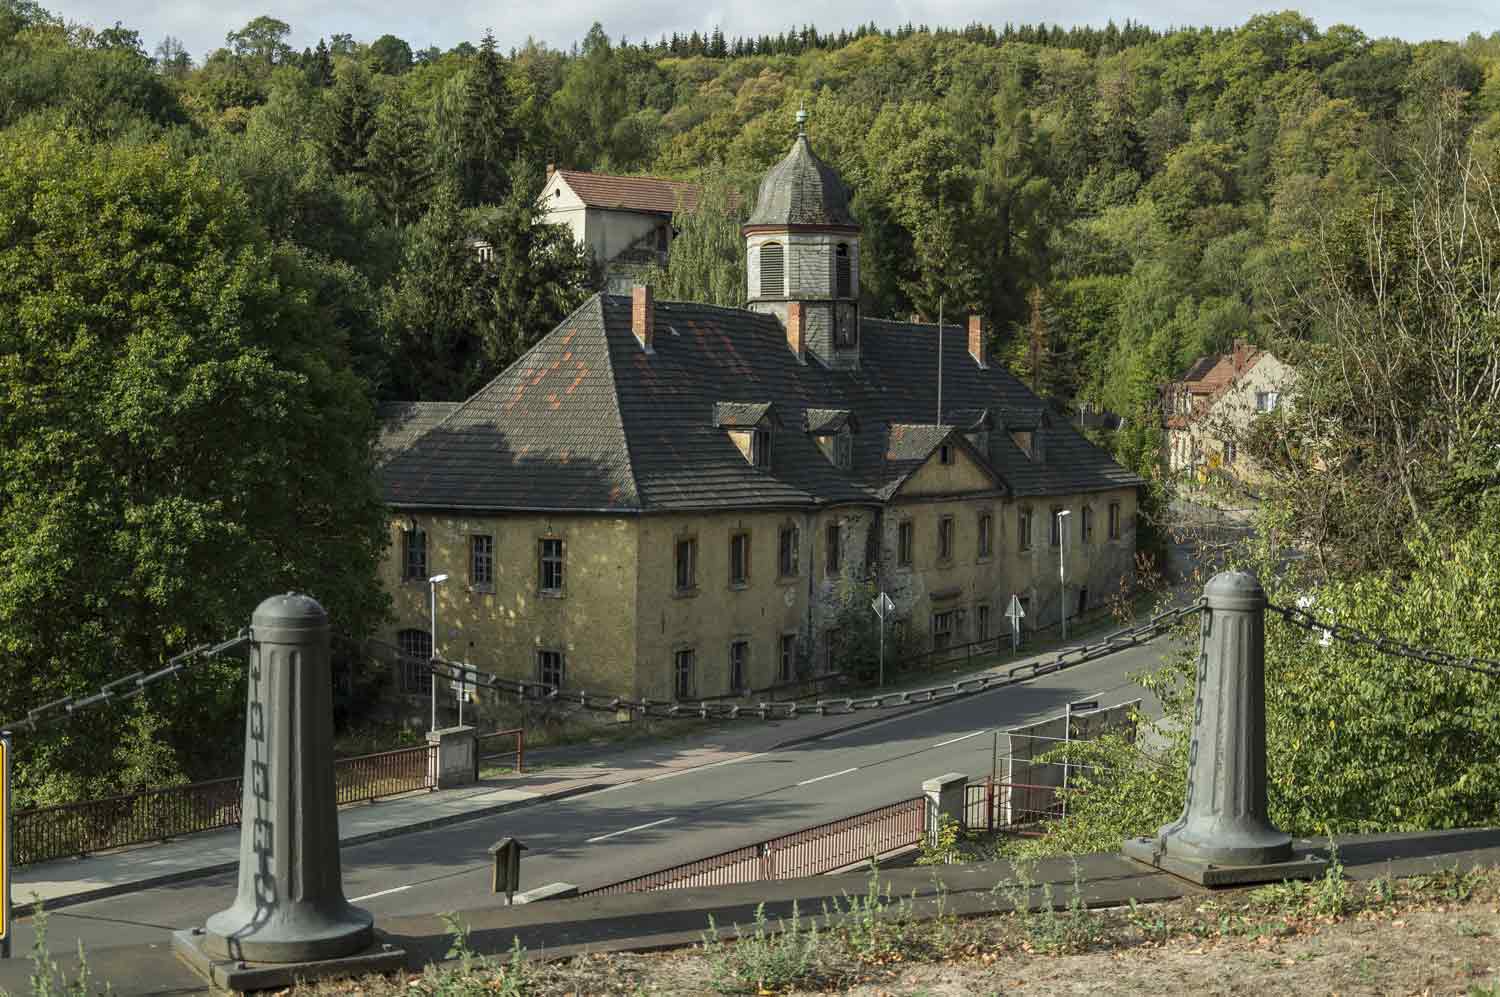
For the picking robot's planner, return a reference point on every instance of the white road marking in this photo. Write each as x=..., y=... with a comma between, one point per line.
x=699, y=768
x=638, y=827
x=382, y=893
x=831, y=775
x=963, y=738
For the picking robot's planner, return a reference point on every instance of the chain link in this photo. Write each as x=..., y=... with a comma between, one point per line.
x=1120, y=640
x=125, y=687
x=1299, y=617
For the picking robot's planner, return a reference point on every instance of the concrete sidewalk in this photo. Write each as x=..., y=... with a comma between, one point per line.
x=676, y=918
x=93, y=877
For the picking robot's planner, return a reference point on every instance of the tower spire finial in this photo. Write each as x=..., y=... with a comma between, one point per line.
x=802, y=118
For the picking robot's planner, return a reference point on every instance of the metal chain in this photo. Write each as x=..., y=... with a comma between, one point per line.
x=1120, y=640
x=127, y=686
x=1385, y=645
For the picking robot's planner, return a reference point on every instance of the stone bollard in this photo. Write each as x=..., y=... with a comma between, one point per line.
x=289, y=917
x=1225, y=835
x=945, y=798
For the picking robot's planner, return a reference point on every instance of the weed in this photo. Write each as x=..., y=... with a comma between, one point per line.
x=47, y=980
x=764, y=959
x=1152, y=926
x=1484, y=990
x=943, y=848
x=479, y=974
x=1052, y=929
x=1469, y=929
x=872, y=925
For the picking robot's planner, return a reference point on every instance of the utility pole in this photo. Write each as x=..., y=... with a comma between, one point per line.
x=1062, y=569
x=432, y=584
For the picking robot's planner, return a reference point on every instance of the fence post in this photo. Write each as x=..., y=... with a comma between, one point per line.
x=1224, y=835
x=290, y=908
x=945, y=798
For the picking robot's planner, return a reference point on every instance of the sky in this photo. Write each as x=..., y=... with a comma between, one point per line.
x=201, y=25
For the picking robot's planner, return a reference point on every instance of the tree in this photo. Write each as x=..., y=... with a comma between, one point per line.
x=263, y=41
x=321, y=71
x=351, y=107
x=488, y=142
x=390, y=55
x=172, y=59
x=707, y=258
x=180, y=436
x=399, y=165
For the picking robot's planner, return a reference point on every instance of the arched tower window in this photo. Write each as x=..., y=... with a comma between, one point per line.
x=772, y=271
x=843, y=271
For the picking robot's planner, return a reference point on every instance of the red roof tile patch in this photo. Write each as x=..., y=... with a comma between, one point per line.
x=653, y=194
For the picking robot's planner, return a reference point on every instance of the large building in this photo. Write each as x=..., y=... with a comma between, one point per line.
x=667, y=499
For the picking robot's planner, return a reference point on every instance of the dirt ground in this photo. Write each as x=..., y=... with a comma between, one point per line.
x=1431, y=936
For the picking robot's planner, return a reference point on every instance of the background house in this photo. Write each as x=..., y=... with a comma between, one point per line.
x=1210, y=409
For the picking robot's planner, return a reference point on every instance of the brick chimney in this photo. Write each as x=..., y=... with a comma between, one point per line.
x=643, y=315
x=976, y=340
x=1241, y=354
x=794, y=331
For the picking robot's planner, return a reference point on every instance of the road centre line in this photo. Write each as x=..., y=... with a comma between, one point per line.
x=638, y=827
x=965, y=737
x=382, y=893
x=831, y=775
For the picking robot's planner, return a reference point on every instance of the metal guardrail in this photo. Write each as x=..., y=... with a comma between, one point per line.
x=809, y=852
x=487, y=749
x=77, y=829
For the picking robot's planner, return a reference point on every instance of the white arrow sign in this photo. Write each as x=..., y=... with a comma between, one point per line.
x=883, y=605
x=1015, y=612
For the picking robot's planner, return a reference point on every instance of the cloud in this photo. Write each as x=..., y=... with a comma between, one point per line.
x=561, y=23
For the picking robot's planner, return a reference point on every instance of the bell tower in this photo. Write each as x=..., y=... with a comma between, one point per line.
x=802, y=255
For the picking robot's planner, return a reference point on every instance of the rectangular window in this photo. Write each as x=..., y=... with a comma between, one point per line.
x=788, y=666
x=683, y=681
x=942, y=630
x=1114, y=520
x=760, y=448
x=1023, y=529
x=945, y=538
x=903, y=543
x=986, y=534
x=687, y=564
x=1265, y=401
x=788, y=545
x=549, y=668
x=843, y=449
x=1056, y=526
x=945, y=454
x=833, y=555
x=982, y=621
x=414, y=555
x=482, y=560
x=1086, y=523
x=739, y=559
x=552, y=566
x=739, y=665
x=416, y=651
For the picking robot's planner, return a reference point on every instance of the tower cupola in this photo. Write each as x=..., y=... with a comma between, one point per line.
x=802, y=248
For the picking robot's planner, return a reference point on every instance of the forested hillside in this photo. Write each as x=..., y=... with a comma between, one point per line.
x=213, y=265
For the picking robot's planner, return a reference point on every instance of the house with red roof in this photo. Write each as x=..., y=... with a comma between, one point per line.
x=1209, y=410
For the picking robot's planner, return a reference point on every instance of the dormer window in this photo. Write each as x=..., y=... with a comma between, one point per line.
x=772, y=271
x=843, y=449
x=945, y=453
x=1022, y=439
x=843, y=269
x=760, y=448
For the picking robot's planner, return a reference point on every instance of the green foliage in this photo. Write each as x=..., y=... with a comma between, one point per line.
x=398, y=163
x=707, y=261
x=349, y=119
x=763, y=960
x=479, y=975
x=180, y=435
x=487, y=138
x=47, y=980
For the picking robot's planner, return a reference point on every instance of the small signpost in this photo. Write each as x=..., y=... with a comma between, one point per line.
x=507, y=875
x=883, y=607
x=1015, y=614
x=5, y=845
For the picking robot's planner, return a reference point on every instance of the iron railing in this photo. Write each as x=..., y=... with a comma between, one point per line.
x=46, y=833
x=809, y=852
x=492, y=747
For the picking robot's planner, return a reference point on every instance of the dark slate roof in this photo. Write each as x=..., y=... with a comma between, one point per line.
x=802, y=190
x=588, y=420
x=544, y=435
x=740, y=415
x=827, y=421
x=404, y=423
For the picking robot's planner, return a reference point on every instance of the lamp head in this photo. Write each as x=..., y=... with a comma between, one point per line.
x=438, y=579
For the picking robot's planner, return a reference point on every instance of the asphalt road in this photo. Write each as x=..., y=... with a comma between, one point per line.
x=612, y=834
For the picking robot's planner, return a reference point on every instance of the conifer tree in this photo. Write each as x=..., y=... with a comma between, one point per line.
x=487, y=128
x=399, y=163
x=351, y=107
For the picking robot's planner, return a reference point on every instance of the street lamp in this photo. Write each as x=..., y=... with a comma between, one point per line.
x=1062, y=568
x=432, y=584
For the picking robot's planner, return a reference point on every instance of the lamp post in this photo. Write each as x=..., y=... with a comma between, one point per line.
x=1062, y=568
x=432, y=584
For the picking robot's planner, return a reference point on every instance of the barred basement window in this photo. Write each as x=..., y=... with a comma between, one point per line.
x=772, y=271
x=416, y=651
x=482, y=560
x=843, y=271
x=739, y=660
x=683, y=680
